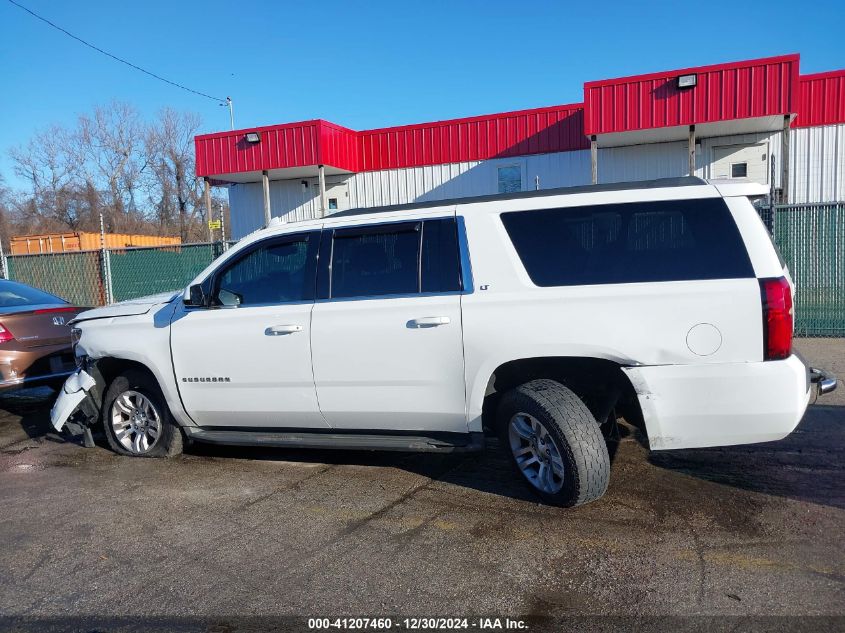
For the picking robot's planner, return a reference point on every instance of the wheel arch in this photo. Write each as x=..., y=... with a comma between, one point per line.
x=599, y=382
x=107, y=368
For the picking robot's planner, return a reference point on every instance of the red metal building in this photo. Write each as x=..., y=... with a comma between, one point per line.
x=756, y=119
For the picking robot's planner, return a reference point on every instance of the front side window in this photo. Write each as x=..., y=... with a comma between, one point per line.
x=628, y=243
x=277, y=271
x=510, y=179
x=396, y=259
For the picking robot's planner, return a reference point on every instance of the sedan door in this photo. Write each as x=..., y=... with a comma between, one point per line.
x=386, y=336
x=245, y=360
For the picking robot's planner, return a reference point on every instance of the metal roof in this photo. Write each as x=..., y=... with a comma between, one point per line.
x=745, y=92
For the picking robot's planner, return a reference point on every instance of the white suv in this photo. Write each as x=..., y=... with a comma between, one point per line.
x=540, y=315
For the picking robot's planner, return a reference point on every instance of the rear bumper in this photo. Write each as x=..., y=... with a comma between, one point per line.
x=31, y=381
x=25, y=366
x=697, y=406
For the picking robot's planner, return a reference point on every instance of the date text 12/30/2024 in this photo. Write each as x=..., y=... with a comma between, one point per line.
x=417, y=624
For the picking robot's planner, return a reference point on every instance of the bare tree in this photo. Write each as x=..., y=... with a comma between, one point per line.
x=169, y=144
x=51, y=164
x=112, y=142
x=140, y=177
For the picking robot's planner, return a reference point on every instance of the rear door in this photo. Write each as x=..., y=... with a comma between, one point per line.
x=246, y=360
x=386, y=328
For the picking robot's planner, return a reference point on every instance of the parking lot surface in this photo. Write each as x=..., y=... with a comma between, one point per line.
x=228, y=533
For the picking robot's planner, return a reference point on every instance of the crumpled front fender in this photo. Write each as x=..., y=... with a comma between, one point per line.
x=75, y=390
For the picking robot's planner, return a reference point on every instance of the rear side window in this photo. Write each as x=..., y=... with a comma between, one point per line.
x=376, y=261
x=392, y=259
x=670, y=240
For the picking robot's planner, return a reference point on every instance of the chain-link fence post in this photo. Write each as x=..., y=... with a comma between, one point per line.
x=3, y=261
x=105, y=265
x=108, y=275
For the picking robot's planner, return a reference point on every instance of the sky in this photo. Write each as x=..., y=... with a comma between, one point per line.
x=372, y=64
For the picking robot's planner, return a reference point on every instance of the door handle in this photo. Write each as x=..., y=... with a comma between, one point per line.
x=278, y=330
x=429, y=322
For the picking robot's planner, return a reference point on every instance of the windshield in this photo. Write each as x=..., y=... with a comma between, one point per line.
x=13, y=294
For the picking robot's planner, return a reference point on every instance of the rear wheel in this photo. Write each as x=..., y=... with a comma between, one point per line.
x=136, y=419
x=554, y=443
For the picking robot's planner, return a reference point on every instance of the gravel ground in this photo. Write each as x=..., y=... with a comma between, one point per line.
x=220, y=535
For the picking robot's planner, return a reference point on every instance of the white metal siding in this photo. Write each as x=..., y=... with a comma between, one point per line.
x=642, y=162
x=817, y=174
x=818, y=164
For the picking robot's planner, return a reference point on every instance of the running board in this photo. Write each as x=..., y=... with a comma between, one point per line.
x=435, y=443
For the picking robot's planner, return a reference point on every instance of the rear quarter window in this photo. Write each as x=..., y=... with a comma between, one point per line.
x=635, y=242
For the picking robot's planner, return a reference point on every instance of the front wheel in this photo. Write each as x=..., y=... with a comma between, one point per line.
x=136, y=419
x=554, y=443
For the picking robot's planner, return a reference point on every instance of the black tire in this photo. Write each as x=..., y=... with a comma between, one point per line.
x=168, y=442
x=574, y=432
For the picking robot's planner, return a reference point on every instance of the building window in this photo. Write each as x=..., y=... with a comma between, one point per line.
x=510, y=179
x=739, y=170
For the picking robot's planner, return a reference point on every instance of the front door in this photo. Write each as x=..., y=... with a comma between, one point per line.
x=245, y=361
x=741, y=161
x=387, y=338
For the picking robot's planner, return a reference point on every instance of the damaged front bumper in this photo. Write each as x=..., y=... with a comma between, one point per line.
x=74, y=396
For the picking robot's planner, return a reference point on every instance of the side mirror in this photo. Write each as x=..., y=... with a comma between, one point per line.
x=195, y=297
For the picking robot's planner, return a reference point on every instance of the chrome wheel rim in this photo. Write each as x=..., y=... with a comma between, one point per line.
x=536, y=453
x=135, y=422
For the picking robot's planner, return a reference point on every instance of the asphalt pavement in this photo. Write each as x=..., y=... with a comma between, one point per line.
x=221, y=539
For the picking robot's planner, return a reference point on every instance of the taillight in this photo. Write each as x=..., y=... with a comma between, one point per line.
x=5, y=335
x=777, y=318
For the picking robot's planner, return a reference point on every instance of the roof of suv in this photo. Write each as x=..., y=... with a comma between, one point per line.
x=685, y=181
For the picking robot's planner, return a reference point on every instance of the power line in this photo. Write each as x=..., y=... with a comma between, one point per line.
x=115, y=57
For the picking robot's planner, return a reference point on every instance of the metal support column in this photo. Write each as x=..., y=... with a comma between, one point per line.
x=784, y=160
x=594, y=159
x=692, y=150
x=207, y=196
x=265, y=182
x=323, y=204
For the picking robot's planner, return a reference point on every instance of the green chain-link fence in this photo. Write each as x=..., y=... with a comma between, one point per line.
x=136, y=272
x=811, y=238
x=94, y=278
x=76, y=277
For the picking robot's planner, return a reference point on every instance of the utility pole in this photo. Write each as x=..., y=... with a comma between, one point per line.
x=231, y=111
